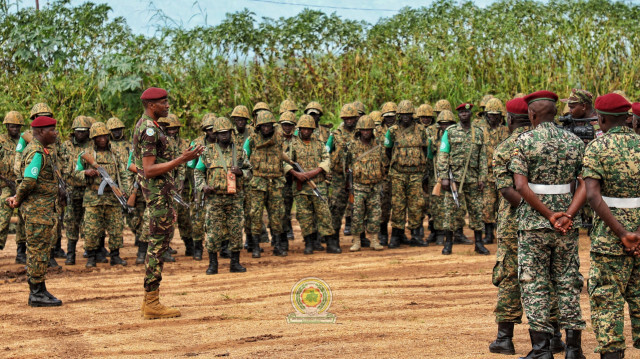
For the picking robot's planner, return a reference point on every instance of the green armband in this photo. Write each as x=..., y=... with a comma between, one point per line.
x=130, y=159
x=329, y=144
x=429, y=152
x=247, y=147
x=34, y=167
x=79, y=166
x=21, y=145
x=444, y=144
x=388, y=142
x=200, y=165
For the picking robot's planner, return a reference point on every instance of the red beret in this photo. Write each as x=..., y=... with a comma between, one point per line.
x=43, y=121
x=464, y=106
x=517, y=106
x=539, y=96
x=635, y=107
x=612, y=104
x=154, y=93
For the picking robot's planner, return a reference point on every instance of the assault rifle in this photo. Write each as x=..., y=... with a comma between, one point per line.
x=107, y=180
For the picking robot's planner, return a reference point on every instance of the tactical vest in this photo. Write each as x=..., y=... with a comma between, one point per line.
x=309, y=156
x=216, y=173
x=368, y=169
x=341, y=140
x=266, y=156
x=408, y=150
x=40, y=205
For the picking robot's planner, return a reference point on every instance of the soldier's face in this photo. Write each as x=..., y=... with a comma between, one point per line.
x=81, y=135
x=160, y=108
x=223, y=137
x=209, y=134
x=48, y=135
x=173, y=131
x=117, y=133
x=13, y=130
x=350, y=122
x=389, y=120
x=444, y=125
x=305, y=133
x=101, y=141
x=287, y=128
x=266, y=129
x=426, y=120
x=494, y=118
x=405, y=119
x=241, y=122
x=577, y=110
x=366, y=134
x=464, y=115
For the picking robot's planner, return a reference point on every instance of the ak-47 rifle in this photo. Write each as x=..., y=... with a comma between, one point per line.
x=62, y=186
x=454, y=188
x=349, y=183
x=296, y=166
x=131, y=201
x=11, y=184
x=107, y=180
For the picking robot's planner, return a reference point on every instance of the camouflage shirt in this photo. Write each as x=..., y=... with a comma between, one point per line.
x=265, y=155
x=410, y=145
x=213, y=166
x=69, y=155
x=456, y=148
x=492, y=137
x=337, y=147
x=546, y=155
x=7, y=156
x=613, y=159
x=114, y=161
x=309, y=155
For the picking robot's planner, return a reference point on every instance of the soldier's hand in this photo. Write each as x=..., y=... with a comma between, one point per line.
x=191, y=153
x=445, y=185
x=236, y=171
x=13, y=202
x=561, y=222
x=300, y=176
x=631, y=242
x=91, y=173
x=207, y=189
x=481, y=186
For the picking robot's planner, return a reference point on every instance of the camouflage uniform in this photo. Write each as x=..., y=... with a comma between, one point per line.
x=7, y=154
x=614, y=276
x=492, y=137
x=547, y=155
x=434, y=135
x=338, y=196
x=287, y=191
x=197, y=213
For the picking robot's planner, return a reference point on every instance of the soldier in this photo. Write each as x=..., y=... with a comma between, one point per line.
x=13, y=122
x=609, y=167
x=118, y=139
x=38, y=196
x=288, y=106
x=257, y=108
x=494, y=133
x=545, y=161
x=481, y=119
x=348, y=215
x=407, y=146
x=314, y=109
x=220, y=166
x=287, y=123
x=426, y=117
x=139, y=222
x=462, y=165
x=388, y=116
x=312, y=212
x=369, y=164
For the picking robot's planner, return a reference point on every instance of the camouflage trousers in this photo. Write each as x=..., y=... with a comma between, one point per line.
x=614, y=280
x=135, y=218
x=161, y=226
x=338, y=199
x=546, y=257
x=436, y=204
x=101, y=219
x=287, y=196
x=224, y=221
x=40, y=239
x=313, y=213
x=74, y=214
x=385, y=200
x=273, y=201
x=5, y=219
x=407, y=200
x=184, y=217
x=366, y=209
x=490, y=208
x=470, y=201
x=197, y=223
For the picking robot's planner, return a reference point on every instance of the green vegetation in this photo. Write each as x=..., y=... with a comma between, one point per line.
x=80, y=61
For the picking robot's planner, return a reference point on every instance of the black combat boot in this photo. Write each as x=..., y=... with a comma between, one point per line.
x=167, y=257
x=432, y=233
x=416, y=239
x=91, y=258
x=197, y=250
x=421, y=229
x=488, y=233
x=278, y=245
x=103, y=250
x=115, y=258
x=52, y=259
x=396, y=234
x=21, y=253
x=38, y=296
x=100, y=256
x=188, y=246
x=71, y=252
x=247, y=240
x=59, y=253
x=142, y=252
x=460, y=238
x=225, y=252
x=347, y=226
x=289, y=231
x=235, y=266
x=364, y=241
x=308, y=243
x=448, y=243
x=556, y=345
x=404, y=239
x=384, y=234
x=333, y=244
x=439, y=238
x=574, y=344
x=317, y=246
x=136, y=242
x=479, y=248
x=504, y=342
x=213, y=263
x=264, y=236
x=255, y=247
x=612, y=355
x=539, y=346
x=284, y=243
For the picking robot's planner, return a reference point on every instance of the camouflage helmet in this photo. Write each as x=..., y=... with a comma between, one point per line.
x=494, y=106
x=360, y=107
x=365, y=123
x=164, y=120
x=260, y=106
x=519, y=95
x=114, y=123
x=207, y=120
x=14, y=118
x=221, y=124
x=313, y=106
x=485, y=100
x=376, y=116
x=40, y=109
x=566, y=110
x=81, y=122
x=348, y=110
x=442, y=105
x=91, y=120
x=288, y=117
x=446, y=116
x=173, y=121
x=306, y=121
x=265, y=117
x=424, y=110
x=98, y=129
x=240, y=111
x=288, y=105
x=405, y=106
x=389, y=108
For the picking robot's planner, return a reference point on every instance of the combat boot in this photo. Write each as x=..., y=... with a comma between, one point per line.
x=255, y=248
x=384, y=234
x=404, y=239
x=247, y=241
x=100, y=256
x=58, y=252
x=347, y=226
x=539, y=346
x=421, y=229
x=115, y=258
x=479, y=247
x=504, y=342
x=416, y=239
x=289, y=231
x=197, y=250
x=284, y=243
x=364, y=241
x=136, y=242
x=432, y=233
x=440, y=238
x=38, y=296
x=71, y=252
x=317, y=246
x=103, y=251
x=574, y=344
x=612, y=355
x=278, y=245
x=21, y=253
x=213, y=263
x=394, y=241
x=308, y=243
x=556, y=345
x=375, y=243
x=235, y=266
x=225, y=252
x=91, y=259
x=356, y=244
x=488, y=233
x=448, y=243
x=167, y=257
x=264, y=236
x=154, y=310
x=188, y=246
x=333, y=244
x=460, y=238
x=52, y=259
x=142, y=252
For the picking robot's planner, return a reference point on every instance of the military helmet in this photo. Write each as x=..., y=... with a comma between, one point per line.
x=376, y=116
x=313, y=106
x=114, y=123
x=348, y=110
x=240, y=111
x=389, y=108
x=13, y=117
x=365, y=123
x=424, y=110
x=221, y=124
x=360, y=107
x=485, y=100
x=446, y=116
x=494, y=106
x=442, y=105
x=519, y=95
x=260, y=106
x=164, y=120
x=288, y=105
x=288, y=117
x=81, y=122
x=265, y=117
x=173, y=121
x=91, y=120
x=207, y=120
x=40, y=109
x=405, y=106
x=98, y=129
x=306, y=121
x=566, y=110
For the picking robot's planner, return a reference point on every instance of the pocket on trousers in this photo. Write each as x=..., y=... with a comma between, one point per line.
x=161, y=225
x=499, y=273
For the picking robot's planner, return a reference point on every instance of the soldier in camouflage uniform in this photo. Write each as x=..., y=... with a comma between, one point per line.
x=462, y=164
x=545, y=162
x=312, y=212
x=425, y=116
x=388, y=119
x=359, y=106
x=287, y=123
x=368, y=162
x=221, y=160
x=481, y=119
x=102, y=213
x=13, y=122
x=407, y=146
x=314, y=109
x=38, y=196
x=139, y=222
x=609, y=169
x=494, y=133
x=257, y=108
x=288, y=106
x=118, y=139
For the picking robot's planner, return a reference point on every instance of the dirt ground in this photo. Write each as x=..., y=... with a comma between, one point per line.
x=408, y=302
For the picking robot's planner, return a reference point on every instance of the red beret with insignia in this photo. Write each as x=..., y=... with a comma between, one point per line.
x=612, y=104
x=464, y=106
x=542, y=95
x=635, y=107
x=154, y=93
x=43, y=121
x=517, y=106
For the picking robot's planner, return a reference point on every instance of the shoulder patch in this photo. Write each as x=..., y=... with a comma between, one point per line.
x=150, y=131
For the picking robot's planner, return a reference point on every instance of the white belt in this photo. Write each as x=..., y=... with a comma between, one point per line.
x=622, y=202
x=550, y=188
